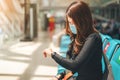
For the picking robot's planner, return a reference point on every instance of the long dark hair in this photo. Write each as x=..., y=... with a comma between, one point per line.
x=82, y=18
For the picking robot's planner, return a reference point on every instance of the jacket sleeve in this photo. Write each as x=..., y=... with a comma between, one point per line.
x=86, y=52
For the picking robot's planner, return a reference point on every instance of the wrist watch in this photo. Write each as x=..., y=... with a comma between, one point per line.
x=53, y=53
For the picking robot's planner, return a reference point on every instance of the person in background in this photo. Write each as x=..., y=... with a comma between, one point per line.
x=51, y=26
x=85, y=51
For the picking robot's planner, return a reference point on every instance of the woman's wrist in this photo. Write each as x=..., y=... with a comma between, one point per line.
x=58, y=76
x=53, y=53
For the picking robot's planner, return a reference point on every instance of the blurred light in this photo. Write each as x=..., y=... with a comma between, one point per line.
x=45, y=2
x=9, y=78
x=20, y=58
x=1, y=55
x=26, y=48
x=0, y=9
x=17, y=6
x=118, y=1
x=60, y=13
x=33, y=1
x=12, y=67
x=4, y=18
x=3, y=5
x=46, y=70
x=49, y=15
x=1, y=21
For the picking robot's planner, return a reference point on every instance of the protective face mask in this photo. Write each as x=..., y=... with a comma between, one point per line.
x=73, y=29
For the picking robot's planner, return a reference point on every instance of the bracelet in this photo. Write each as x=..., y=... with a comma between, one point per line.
x=53, y=53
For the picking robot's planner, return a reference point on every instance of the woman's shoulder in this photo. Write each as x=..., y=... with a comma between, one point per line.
x=94, y=35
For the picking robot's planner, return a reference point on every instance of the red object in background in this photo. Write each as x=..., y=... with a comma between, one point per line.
x=51, y=23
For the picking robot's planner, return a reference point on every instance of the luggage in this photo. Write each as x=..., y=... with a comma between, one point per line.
x=111, y=47
x=115, y=63
x=64, y=43
x=64, y=46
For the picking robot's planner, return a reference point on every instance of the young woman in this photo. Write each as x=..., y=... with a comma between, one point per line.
x=85, y=51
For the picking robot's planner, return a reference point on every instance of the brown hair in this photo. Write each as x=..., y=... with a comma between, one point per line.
x=82, y=18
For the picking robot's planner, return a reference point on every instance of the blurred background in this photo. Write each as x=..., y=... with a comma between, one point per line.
x=27, y=27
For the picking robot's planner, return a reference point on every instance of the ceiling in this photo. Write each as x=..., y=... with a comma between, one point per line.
x=67, y=2
x=14, y=6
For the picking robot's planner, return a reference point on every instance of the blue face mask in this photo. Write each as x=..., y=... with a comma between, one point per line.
x=73, y=29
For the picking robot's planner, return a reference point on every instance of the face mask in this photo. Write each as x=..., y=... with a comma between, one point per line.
x=73, y=29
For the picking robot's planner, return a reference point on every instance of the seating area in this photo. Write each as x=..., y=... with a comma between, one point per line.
x=111, y=47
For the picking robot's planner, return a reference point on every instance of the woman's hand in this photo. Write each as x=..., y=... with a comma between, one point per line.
x=47, y=52
x=56, y=77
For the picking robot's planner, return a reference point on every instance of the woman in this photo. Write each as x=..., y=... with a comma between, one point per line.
x=85, y=52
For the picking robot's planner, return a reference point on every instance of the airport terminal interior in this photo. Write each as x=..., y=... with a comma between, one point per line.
x=27, y=27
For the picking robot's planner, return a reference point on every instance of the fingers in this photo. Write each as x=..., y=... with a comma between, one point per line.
x=45, y=54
